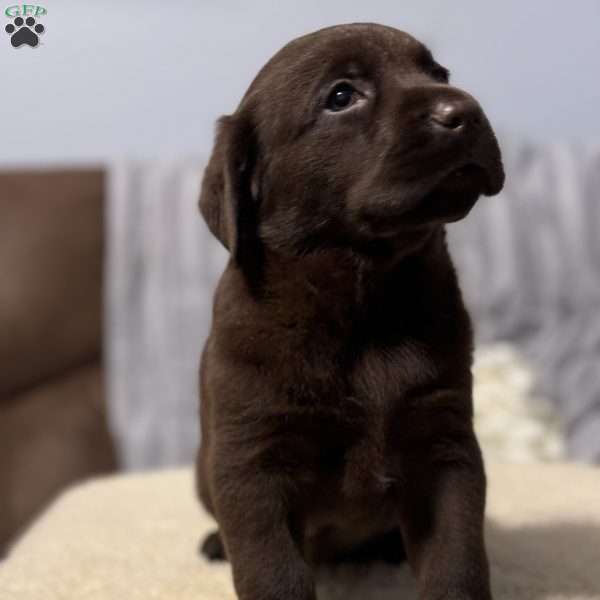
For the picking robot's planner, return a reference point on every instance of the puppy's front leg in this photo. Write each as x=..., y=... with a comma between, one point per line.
x=442, y=522
x=255, y=526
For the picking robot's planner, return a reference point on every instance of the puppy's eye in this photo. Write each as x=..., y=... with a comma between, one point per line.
x=342, y=96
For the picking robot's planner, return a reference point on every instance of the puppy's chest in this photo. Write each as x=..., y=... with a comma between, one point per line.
x=348, y=418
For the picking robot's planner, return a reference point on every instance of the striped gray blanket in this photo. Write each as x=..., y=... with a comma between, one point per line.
x=529, y=262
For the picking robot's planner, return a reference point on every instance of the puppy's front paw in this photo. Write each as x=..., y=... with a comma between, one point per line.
x=212, y=547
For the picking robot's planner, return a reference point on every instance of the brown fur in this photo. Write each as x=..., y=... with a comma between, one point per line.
x=336, y=385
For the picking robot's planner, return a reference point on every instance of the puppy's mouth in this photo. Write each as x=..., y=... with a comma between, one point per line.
x=454, y=193
x=466, y=177
x=443, y=195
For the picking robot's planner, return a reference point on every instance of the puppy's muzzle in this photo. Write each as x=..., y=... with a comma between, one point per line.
x=457, y=123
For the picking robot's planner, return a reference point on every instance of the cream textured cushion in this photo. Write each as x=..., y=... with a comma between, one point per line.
x=136, y=537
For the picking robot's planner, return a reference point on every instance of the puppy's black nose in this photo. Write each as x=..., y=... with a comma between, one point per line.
x=456, y=114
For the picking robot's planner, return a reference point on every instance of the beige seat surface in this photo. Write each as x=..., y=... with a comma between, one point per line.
x=134, y=537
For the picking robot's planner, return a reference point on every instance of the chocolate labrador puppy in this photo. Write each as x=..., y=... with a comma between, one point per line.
x=336, y=382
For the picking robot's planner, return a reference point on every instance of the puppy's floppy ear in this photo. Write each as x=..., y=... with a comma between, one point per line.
x=226, y=199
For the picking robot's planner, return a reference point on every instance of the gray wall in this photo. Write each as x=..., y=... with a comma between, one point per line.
x=146, y=79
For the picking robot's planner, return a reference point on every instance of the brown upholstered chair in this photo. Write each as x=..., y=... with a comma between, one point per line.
x=53, y=428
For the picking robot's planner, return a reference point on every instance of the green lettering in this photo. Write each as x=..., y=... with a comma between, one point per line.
x=39, y=11
x=27, y=9
x=12, y=11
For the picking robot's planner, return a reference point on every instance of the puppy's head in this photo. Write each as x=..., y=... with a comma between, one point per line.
x=347, y=136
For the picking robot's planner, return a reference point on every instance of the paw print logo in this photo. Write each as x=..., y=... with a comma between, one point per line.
x=24, y=32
